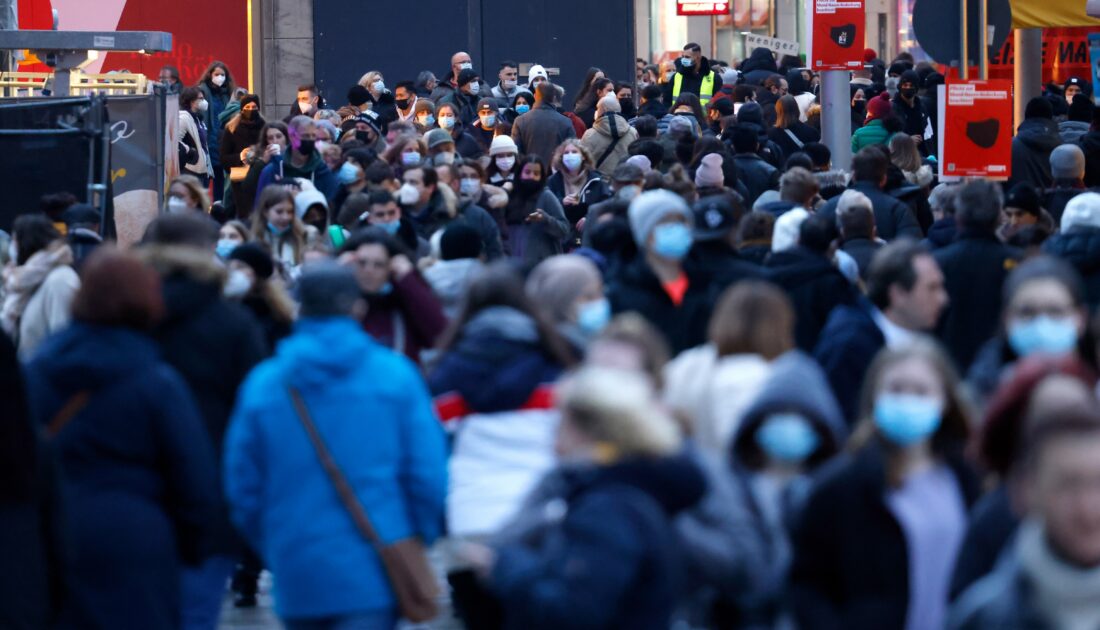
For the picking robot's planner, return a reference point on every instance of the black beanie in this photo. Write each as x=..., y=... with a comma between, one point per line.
x=1039, y=107
x=256, y=257
x=1081, y=108
x=358, y=95
x=459, y=241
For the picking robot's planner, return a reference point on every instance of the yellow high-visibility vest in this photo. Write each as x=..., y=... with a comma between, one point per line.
x=706, y=88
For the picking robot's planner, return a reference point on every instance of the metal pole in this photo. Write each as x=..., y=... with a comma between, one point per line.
x=1027, y=74
x=983, y=37
x=964, y=48
x=836, y=116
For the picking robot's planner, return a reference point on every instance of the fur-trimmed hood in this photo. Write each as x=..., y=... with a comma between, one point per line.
x=192, y=263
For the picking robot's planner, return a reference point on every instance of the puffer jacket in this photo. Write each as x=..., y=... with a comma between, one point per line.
x=1080, y=247
x=493, y=390
x=1031, y=148
x=603, y=134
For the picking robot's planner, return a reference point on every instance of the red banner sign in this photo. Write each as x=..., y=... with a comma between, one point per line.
x=977, y=129
x=836, y=34
x=693, y=7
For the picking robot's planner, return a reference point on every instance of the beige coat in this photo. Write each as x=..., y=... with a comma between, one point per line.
x=598, y=138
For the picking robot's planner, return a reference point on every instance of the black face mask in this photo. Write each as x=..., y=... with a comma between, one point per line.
x=247, y=114
x=306, y=147
x=907, y=93
x=527, y=187
x=983, y=132
x=859, y=107
x=844, y=36
x=627, y=105
x=363, y=136
x=402, y=103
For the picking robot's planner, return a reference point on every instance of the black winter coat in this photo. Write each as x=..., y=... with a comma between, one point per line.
x=975, y=267
x=850, y=568
x=1080, y=247
x=634, y=287
x=757, y=175
x=893, y=218
x=801, y=130
x=1090, y=144
x=213, y=344
x=1056, y=198
x=1031, y=148
x=815, y=287
x=848, y=345
x=758, y=67
x=721, y=265
x=862, y=250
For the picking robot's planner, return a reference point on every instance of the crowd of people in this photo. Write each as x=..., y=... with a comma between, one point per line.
x=630, y=357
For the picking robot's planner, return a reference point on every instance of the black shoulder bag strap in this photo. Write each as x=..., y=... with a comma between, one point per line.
x=615, y=137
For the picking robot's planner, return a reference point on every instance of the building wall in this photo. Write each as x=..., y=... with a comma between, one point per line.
x=287, y=59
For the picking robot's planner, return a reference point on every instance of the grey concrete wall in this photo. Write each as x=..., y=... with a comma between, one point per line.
x=287, y=55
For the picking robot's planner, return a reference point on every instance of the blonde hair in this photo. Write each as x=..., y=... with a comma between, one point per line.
x=617, y=408
x=904, y=153
x=586, y=162
x=368, y=79
x=194, y=188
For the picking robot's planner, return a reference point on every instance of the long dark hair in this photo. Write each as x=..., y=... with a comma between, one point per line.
x=500, y=284
x=586, y=88
x=18, y=446
x=692, y=101
x=229, y=85
x=33, y=233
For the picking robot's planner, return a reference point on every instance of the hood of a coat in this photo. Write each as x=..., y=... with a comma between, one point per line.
x=1039, y=134
x=190, y=278
x=323, y=350
x=87, y=357
x=760, y=59
x=796, y=384
x=1079, y=246
x=449, y=278
x=675, y=483
x=603, y=125
x=497, y=363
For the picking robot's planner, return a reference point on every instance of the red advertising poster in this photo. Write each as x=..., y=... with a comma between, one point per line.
x=977, y=129
x=836, y=34
x=197, y=37
x=1065, y=55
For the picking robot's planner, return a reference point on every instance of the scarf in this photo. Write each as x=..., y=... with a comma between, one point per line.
x=1065, y=594
x=23, y=282
x=574, y=183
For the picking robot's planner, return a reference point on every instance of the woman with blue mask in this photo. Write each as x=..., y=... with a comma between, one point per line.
x=576, y=184
x=449, y=118
x=570, y=291
x=875, y=545
x=789, y=429
x=660, y=283
x=1044, y=314
x=521, y=104
x=275, y=224
x=352, y=175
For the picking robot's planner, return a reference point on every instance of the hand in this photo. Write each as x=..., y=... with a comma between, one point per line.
x=271, y=151
x=918, y=139
x=480, y=558
x=580, y=224
x=538, y=216
x=569, y=200
x=400, y=266
x=508, y=186
x=246, y=155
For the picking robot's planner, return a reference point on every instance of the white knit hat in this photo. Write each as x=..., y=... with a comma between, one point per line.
x=502, y=144
x=787, y=226
x=1083, y=210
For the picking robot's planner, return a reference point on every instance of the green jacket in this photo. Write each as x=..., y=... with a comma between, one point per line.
x=870, y=134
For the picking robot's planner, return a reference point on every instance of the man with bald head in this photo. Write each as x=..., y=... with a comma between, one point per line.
x=459, y=62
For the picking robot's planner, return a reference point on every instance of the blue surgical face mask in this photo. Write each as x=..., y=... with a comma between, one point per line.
x=410, y=158
x=593, y=316
x=488, y=122
x=446, y=122
x=523, y=108
x=672, y=240
x=428, y=120
x=349, y=173
x=788, y=438
x=572, y=161
x=1043, y=335
x=469, y=186
x=390, y=227
x=225, y=248
x=906, y=419
x=276, y=231
x=686, y=62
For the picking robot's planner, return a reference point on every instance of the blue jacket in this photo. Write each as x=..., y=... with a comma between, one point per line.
x=375, y=415
x=608, y=562
x=138, y=474
x=848, y=344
